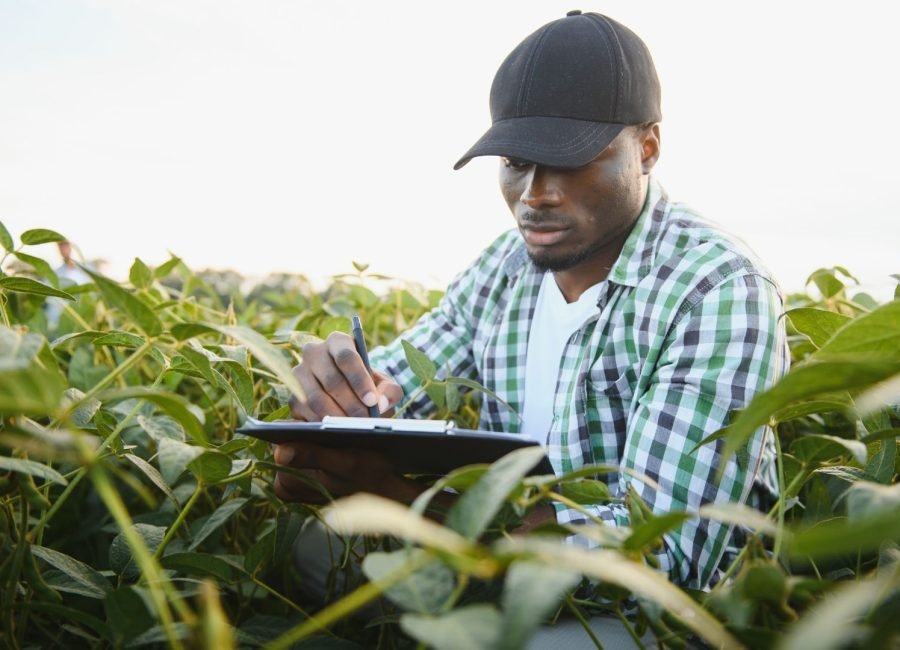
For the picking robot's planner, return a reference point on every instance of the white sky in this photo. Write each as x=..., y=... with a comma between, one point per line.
x=297, y=136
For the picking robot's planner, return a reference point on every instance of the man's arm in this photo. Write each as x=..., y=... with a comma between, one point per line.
x=724, y=350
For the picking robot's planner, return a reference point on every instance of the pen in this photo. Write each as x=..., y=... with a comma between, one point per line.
x=360, y=344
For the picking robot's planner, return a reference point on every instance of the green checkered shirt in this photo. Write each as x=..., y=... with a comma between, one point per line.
x=686, y=330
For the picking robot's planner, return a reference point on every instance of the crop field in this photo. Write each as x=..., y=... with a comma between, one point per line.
x=132, y=515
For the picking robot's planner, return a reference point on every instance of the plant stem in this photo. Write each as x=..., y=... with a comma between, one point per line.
x=629, y=627
x=81, y=471
x=122, y=368
x=581, y=619
x=149, y=566
x=779, y=531
x=170, y=533
x=412, y=398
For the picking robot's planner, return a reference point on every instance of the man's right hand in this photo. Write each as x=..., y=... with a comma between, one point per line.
x=335, y=381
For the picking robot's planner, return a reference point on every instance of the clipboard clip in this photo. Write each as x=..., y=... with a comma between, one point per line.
x=387, y=424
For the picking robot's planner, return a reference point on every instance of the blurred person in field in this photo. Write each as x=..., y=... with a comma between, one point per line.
x=69, y=274
x=622, y=327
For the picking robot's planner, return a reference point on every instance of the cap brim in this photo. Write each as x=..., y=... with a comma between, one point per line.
x=550, y=141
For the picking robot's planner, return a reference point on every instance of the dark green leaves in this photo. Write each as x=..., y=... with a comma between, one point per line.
x=30, y=380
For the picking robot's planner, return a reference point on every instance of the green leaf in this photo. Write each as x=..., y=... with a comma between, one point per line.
x=586, y=491
x=804, y=382
x=474, y=626
x=32, y=468
x=30, y=382
x=139, y=274
x=814, y=448
x=27, y=285
x=199, y=361
x=215, y=520
x=138, y=311
x=452, y=396
x=259, y=346
x=475, y=509
x=881, y=465
x=463, y=381
x=84, y=413
x=121, y=559
x=834, y=622
x=644, y=582
x=95, y=585
x=421, y=365
x=818, y=325
x=740, y=515
x=287, y=528
x=161, y=426
x=812, y=407
x=40, y=267
x=437, y=393
x=764, y=583
x=120, y=339
x=424, y=592
x=866, y=499
x=153, y=474
x=837, y=537
x=370, y=514
x=163, y=270
x=876, y=333
x=210, y=467
x=201, y=564
x=649, y=532
x=173, y=458
x=531, y=592
x=127, y=612
x=6, y=239
x=243, y=385
x=174, y=405
x=827, y=282
x=37, y=236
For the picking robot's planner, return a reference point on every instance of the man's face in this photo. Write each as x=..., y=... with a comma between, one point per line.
x=576, y=220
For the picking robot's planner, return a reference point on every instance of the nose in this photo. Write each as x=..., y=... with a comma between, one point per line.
x=541, y=189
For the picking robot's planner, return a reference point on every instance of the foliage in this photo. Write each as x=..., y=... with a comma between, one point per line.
x=132, y=515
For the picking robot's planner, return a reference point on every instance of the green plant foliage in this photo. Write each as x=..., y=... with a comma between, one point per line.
x=132, y=515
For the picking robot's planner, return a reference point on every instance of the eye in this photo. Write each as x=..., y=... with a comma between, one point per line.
x=514, y=163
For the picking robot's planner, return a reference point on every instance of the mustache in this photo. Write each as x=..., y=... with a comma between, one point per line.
x=541, y=219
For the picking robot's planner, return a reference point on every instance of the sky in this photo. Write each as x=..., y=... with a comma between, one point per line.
x=287, y=136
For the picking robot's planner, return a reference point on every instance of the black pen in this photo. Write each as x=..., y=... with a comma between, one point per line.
x=360, y=344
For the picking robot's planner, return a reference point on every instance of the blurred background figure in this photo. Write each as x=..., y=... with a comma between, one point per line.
x=69, y=274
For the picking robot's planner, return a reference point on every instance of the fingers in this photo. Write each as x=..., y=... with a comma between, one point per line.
x=335, y=382
x=334, y=379
x=389, y=392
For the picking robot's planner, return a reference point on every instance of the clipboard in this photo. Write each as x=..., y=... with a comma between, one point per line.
x=430, y=447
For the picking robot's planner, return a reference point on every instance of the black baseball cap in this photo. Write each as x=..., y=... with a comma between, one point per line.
x=567, y=91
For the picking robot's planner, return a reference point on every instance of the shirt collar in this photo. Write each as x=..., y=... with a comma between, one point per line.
x=636, y=258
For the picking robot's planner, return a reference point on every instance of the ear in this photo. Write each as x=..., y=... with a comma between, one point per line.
x=649, y=148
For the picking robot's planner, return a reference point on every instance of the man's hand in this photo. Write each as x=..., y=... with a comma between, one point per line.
x=336, y=382
x=340, y=472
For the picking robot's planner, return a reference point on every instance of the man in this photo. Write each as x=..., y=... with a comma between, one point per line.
x=620, y=325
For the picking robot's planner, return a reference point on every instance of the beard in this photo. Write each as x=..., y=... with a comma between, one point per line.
x=547, y=261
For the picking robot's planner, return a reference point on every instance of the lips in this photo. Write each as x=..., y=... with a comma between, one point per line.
x=542, y=235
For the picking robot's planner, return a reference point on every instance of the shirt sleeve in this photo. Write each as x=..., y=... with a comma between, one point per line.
x=446, y=333
x=723, y=350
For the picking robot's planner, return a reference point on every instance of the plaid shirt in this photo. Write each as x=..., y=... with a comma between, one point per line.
x=686, y=330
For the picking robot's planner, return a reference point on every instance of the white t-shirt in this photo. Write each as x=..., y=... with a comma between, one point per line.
x=555, y=320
